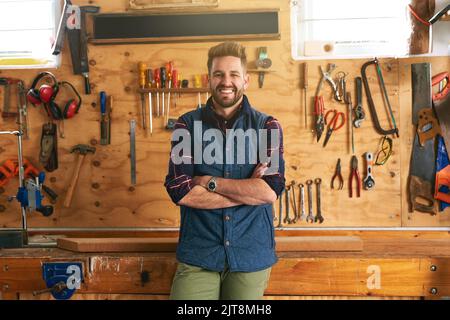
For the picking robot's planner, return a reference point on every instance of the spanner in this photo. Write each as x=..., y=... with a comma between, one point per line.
x=310, y=217
x=286, y=218
x=318, y=217
x=359, y=112
x=294, y=202
x=302, y=201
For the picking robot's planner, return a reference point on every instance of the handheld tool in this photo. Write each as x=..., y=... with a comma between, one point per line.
x=332, y=124
x=337, y=175
x=8, y=83
x=84, y=61
x=82, y=150
x=142, y=80
x=24, y=122
x=109, y=111
x=302, y=201
x=350, y=120
x=169, y=67
x=326, y=76
x=369, y=182
x=341, y=83
x=150, y=84
x=319, y=112
x=59, y=43
x=354, y=174
x=360, y=115
x=318, y=218
x=133, y=151
x=104, y=127
x=294, y=202
x=305, y=88
x=157, y=79
x=287, y=219
x=163, y=74
x=370, y=102
x=310, y=216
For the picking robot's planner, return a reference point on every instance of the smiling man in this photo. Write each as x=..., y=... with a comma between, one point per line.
x=226, y=245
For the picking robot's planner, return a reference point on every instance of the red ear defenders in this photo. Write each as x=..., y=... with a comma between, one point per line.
x=46, y=94
x=69, y=109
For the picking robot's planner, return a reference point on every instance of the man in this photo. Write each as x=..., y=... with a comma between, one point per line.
x=226, y=244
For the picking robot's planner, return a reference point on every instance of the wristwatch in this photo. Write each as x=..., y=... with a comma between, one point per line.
x=212, y=184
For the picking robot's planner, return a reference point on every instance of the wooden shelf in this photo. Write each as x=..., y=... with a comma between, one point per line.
x=172, y=90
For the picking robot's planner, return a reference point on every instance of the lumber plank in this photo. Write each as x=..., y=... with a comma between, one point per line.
x=319, y=243
x=118, y=244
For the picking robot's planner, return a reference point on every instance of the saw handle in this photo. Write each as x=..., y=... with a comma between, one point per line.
x=73, y=182
x=419, y=189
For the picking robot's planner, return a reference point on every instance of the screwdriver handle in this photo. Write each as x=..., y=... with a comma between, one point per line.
x=163, y=77
x=305, y=75
x=103, y=102
x=174, y=78
x=142, y=67
x=157, y=77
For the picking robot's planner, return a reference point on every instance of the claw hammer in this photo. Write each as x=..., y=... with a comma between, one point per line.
x=82, y=150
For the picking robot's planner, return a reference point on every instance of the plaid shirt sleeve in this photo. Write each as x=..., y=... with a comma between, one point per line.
x=275, y=180
x=179, y=178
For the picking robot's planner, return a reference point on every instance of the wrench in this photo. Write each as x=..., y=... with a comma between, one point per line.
x=318, y=217
x=287, y=219
x=302, y=201
x=280, y=210
x=310, y=217
x=359, y=112
x=295, y=204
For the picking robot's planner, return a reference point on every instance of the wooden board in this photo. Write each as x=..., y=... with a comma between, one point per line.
x=118, y=244
x=319, y=243
x=104, y=197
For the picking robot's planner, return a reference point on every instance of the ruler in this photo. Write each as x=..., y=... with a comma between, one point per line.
x=133, y=151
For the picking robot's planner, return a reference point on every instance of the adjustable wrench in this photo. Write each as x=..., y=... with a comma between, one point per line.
x=359, y=112
x=318, y=217
x=310, y=217
x=302, y=201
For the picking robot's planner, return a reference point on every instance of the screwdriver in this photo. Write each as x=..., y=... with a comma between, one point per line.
x=150, y=84
x=142, y=68
x=169, y=67
x=175, y=83
x=157, y=86
x=163, y=86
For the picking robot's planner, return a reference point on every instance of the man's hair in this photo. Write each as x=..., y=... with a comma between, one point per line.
x=224, y=49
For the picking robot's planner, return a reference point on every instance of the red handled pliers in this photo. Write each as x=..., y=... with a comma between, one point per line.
x=355, y=173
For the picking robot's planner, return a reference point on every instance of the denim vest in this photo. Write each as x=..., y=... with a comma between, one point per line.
x=240, y=237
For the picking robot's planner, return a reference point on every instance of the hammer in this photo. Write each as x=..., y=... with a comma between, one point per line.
x=82, y=150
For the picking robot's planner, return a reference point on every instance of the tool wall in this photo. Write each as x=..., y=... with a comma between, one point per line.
x=104, y=195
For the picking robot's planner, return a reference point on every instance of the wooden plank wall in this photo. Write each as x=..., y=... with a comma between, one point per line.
x=104, y=197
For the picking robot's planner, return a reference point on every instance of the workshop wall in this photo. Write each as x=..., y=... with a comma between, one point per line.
x=104, y=196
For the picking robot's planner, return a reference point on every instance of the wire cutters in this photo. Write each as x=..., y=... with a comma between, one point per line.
x=332, y=125
x=338, y=175
x=355, y=173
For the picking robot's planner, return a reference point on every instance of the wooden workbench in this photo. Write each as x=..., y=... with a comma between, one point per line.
x=385, y=268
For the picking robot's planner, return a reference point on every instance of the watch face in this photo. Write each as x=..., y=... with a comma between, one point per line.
x=211, y=185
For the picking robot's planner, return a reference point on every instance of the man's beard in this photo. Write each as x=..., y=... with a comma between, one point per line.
x=238, y=93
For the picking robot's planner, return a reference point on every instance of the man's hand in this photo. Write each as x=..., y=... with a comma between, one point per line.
x=259, y=170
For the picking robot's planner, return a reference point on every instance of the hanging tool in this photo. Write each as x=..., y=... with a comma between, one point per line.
x=332, y=124
x=318, y=218
x=372, y=108
x=360, y=115
x=163, y=74
x=23, y=109
x=60, y=34
x=341, y=83
x=326, y=76
x=104, y=126
x=441, y=103
x=169, y=67
x=423, y=158
x=48, y=155
x=319, y=112
x=84, y=60
x=354, y=173
x=109, y=111
x=348, y=97
x=142, y=81
x=82, y=150
x=30, y=197
x=310, y=216
x=369, y=181
x=8, y=83
x=302, y=201
x=294, y=202
x=150, y=84
x=287, y=219
x=157, y=79
x=338, y=175
x=262, y=62
x=133, y=151
x=305, y=89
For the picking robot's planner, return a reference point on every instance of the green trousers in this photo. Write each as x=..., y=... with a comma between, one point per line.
x=195, y=283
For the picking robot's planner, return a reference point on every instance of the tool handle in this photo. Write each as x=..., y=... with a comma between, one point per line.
x=142, y=69
x=73, y=182
x=359, y=91
x=87, y=85
x=305, y=75
x=52, y=194
x=103, y=102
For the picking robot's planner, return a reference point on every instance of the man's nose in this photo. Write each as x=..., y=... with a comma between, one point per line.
x=226, y=80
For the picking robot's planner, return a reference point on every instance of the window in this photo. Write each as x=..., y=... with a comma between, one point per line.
x=27, y=32
x=349, y=28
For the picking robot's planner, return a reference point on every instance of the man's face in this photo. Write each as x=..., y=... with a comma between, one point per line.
x=227, y=81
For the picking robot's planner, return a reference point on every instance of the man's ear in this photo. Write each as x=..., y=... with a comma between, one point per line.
x=246, y=80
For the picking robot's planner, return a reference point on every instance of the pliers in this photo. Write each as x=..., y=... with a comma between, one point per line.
x=355, y=173
x=326, y=75
x=338, y=175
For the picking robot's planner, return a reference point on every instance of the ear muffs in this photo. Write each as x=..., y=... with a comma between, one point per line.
x=45, y=93
x=71, y=107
